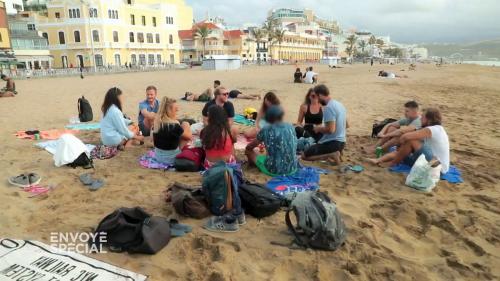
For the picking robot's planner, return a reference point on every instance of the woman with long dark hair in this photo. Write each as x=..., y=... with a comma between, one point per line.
x=217, y=139
x=114, y=126
x=269, y=100
x=310, y=114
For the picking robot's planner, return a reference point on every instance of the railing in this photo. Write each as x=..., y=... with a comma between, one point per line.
x=40, y=73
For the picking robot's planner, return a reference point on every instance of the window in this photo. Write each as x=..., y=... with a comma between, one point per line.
x=98, y=60
x=129, y=2
x=133, y=59
x=93, y=12
x=109, y=14
x=131, y=37
x=95, y=35
x=113, y=14
x=77, y=36
x=150, y=37
x=62, y=40
x=74, y=13
x=115, y=36
x=140, y=37
x=45, y=35
x=158, y=38
x=154, y=21
x=116, y=14
x=158, y=59
x=57, y=15
x=142, y=59
x=31, y=26
x=170, y=20
x=1, y=38
x=78, y=13
x=70, y=13
x=64, y=60
x=151, y=59
x=118, y=61
x=170, y=39
x=144, y=20
x=132, y=19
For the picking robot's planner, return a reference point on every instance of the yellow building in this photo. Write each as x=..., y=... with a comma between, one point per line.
x=4, y=28
x=298, y=46
x=114, y=32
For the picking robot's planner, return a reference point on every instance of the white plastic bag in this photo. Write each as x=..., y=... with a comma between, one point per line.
x=68, y=149
x=422, y=176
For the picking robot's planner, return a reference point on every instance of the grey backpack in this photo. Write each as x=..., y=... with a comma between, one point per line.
x=319, y=224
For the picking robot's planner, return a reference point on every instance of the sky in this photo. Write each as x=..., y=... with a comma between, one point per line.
x=406, y=21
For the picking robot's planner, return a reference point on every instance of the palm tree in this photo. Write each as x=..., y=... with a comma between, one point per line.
x=362, y=44
x=202, y=33
x=380, y=42
x=351, y=45
x=280, y=37
x=372, y=40
x=259, y=35
x=269, y=27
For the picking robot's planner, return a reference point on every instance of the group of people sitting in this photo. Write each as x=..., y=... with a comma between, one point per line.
x=309, y=77
x=208, y=94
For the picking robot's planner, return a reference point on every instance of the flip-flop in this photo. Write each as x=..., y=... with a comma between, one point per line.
x=21, y=181
x=86, y=179
x=96, y=184
x=178, y=229
x=355, y=168
x=34, y=178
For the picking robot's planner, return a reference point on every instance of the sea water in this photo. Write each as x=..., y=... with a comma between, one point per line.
x=485, y=63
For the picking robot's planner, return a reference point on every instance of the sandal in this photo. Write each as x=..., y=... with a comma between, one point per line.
x=25, y=180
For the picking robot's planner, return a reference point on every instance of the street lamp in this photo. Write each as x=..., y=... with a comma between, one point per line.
x=87, y=4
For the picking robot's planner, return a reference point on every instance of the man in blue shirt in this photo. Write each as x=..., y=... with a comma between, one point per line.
x=147, y=110
x=330, y=146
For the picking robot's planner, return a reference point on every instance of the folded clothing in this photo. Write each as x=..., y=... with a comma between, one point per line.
x=454, y=175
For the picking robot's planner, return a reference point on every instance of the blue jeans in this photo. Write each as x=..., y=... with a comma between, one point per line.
x=425, y=149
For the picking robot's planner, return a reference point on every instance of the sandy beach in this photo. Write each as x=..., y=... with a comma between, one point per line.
x=395, y=233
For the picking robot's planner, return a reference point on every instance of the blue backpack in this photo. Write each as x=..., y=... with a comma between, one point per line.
x=220, y=187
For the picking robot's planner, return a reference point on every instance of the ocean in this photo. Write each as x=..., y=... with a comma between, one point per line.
x=485, y=63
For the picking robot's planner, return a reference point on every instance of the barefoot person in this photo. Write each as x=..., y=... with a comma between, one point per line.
x=310, y=114
x=169, y=136
x=217, y=138
x=311, y=77
x=147, y=110
x=207, y=95
x=114, y=127
x=269, y=100
x=333, y=129
x=297, y=76
x=390, y=134
x=280, y=142
x=431, y=141
x=10, y=88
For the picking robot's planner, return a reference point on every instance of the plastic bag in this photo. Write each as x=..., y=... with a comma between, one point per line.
x=423, y=176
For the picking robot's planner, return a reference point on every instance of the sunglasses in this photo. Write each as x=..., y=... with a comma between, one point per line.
x=225, y=94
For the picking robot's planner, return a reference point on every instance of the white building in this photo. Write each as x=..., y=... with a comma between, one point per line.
x=13, y=6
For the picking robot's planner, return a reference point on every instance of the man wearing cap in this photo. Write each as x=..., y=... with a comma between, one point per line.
x=280, y=141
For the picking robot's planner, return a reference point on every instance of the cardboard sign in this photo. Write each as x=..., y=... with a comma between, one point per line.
x=23, y=260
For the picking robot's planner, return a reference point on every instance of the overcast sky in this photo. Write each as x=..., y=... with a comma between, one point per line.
x=406, y=21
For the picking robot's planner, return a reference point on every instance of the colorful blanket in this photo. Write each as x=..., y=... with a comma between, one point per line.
x=84, y=126
x=240, y=119
x=148, y=161
x=306, y=178
x=453, y=176
x=46, y=135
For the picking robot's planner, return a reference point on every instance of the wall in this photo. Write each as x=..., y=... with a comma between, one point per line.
x=4, y=28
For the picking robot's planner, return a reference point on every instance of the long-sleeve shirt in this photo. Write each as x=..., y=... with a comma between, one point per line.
x=114, y=127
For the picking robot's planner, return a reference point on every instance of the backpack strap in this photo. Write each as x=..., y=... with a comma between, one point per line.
x=298, y=240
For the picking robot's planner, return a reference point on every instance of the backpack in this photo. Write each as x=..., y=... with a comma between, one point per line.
x=319, y=224
x=259, y=201
x=220, y=187
x=133, y=230
x=190, y=159
x=84, y=110
x=82, y=161
x=189, y=201
x=378, y=126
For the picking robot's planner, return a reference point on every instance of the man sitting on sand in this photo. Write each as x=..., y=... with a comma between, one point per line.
x=311, y=77
x=390, y=134
x=10, y=87
x=221, y=99
x=431, y=141
x=147, y=111
x=207, y=95
x=334, y=127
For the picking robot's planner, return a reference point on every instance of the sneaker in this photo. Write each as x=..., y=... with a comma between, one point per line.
x=219, y=224
x=241, y=219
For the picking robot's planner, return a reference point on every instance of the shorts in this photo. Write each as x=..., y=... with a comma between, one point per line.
x=412, y=158
x=145, y=132
x=324, y=148
x=234, y=94
x=166, y=156
x=260, y=162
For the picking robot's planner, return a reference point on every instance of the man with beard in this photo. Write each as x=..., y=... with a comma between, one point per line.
x=330, y=146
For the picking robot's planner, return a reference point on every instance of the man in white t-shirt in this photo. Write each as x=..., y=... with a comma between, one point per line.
x=311, y=77
x=431, y=140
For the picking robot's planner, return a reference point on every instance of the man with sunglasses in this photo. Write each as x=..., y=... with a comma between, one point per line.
x=221, y=99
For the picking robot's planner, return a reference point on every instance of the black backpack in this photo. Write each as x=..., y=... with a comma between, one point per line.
x=84, y=110
x=378, y=126
x=259, y=201
x=132, y=230
x=82, y=161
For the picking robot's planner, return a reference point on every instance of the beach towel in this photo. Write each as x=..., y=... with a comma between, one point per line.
x=84, y=126
x=240, y=119
x=46, y=135
x=148, y=161
x=241, y=143
x=103, y=152
x=51, y=146
x=306, y=178
x=454, y=175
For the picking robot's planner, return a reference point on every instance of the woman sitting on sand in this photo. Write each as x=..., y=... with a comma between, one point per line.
x=114, y=130
x=297, y=76
x=169, y=136
x=270, y=99
x=217, y=139
x=312, y=113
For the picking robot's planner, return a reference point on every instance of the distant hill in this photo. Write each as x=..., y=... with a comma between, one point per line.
x=471, y=51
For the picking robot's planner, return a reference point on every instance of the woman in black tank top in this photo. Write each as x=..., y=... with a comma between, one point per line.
x=309, y=118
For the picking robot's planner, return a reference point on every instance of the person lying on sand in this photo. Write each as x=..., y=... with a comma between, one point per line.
x=269, y=100
x=206, y=96
x=390, y=134
x=236, y=94
x=334, y=127
x=169, y=135
x=386, y=74
x=147, y=111
x=431, y=141
x=114, y=126
x=217, y=138
x=10, y=88
x=280, y=142
x=310, y=114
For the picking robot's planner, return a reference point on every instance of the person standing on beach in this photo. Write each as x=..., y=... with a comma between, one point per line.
x=10, y=87
x=334, y=128
x=147, y=110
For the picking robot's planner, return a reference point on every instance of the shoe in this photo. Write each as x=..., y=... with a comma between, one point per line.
x=219, y=224
x=241, y=219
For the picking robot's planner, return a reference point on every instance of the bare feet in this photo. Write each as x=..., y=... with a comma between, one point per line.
x=335, y=159
x=369, y=149
x=372, y=161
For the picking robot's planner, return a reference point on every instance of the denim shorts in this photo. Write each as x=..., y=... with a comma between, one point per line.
x=425, y=149
x=166, y=156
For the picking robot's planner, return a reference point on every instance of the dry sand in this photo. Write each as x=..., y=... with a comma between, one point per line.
x=395, y=233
